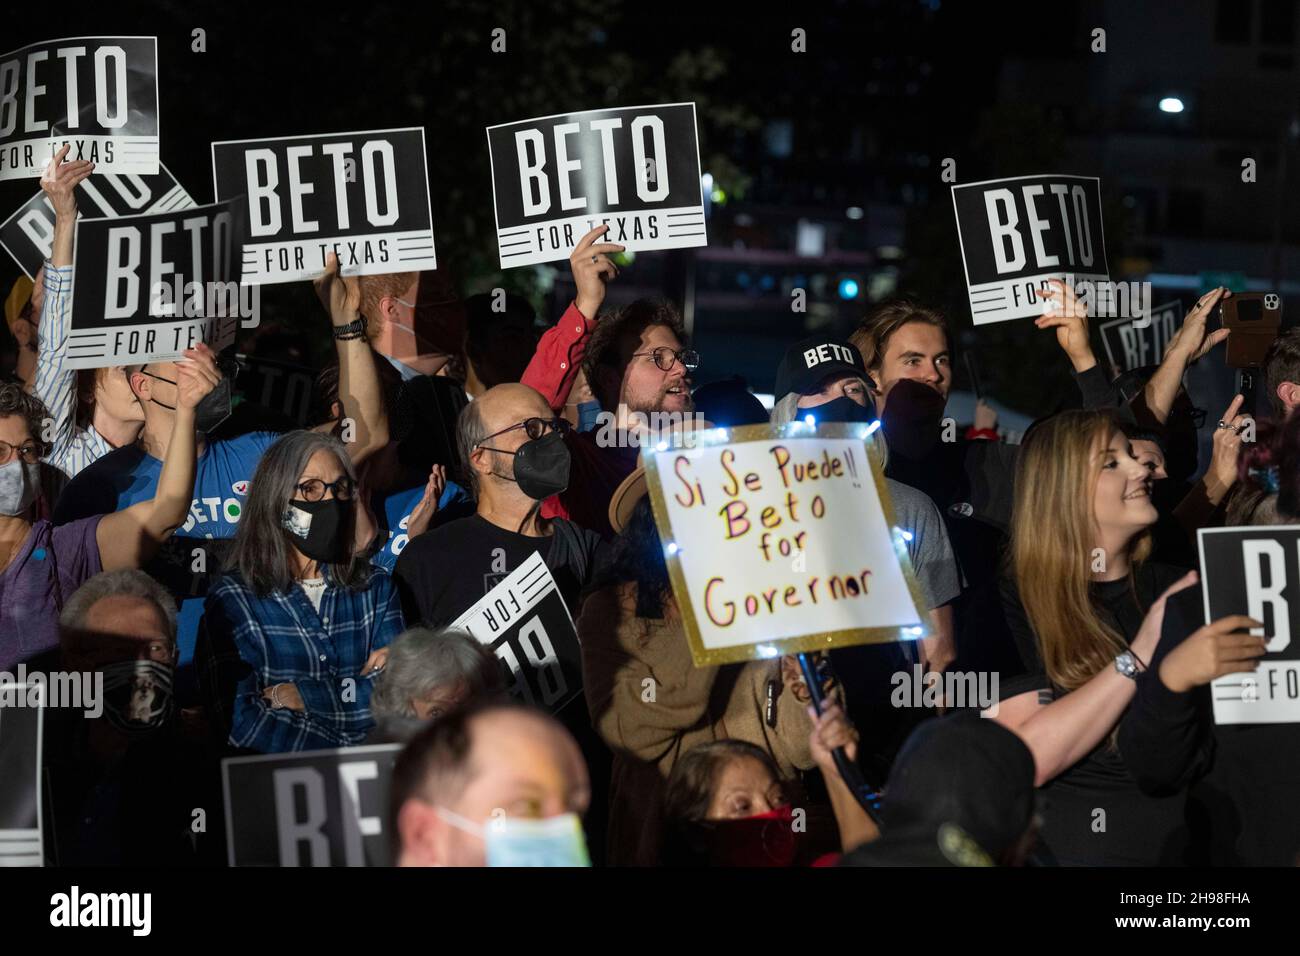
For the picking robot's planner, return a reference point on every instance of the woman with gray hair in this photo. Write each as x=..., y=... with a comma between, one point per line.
x=290, y=633
x=426, y=675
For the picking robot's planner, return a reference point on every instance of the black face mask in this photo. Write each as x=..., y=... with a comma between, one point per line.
x=542, y=466
x=213, y=408
x=138, y=695
x=912, y=419
x=321, y=530
x=842, y=409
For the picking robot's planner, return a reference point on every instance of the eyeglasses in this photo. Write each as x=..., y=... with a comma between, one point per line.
x=313, y=489
x=534, y=428
x=28, y=451
x=664, y=358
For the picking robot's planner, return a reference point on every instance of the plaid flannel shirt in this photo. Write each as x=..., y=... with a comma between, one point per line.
x=248, y=643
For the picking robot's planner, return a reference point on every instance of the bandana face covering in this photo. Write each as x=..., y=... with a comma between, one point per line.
x=765, y=839
x=137, y=695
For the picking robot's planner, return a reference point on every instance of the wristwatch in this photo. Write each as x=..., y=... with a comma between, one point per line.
x=1126, y=664
x=356, y=329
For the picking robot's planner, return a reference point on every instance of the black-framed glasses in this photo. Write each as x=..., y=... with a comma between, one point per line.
x=29, y=452
x=665, y=358
x=313, y=489
x=534, y=428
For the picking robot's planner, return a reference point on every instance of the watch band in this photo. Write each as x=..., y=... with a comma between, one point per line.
x=1126, y=664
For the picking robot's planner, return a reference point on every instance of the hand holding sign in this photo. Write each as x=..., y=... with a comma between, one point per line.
x=831, y=729
x=1191, y=343
x=1064, y=312
x=592, y=268
x=1213, y=651
x=196, y=375
x=60, y=179
x=340, y=296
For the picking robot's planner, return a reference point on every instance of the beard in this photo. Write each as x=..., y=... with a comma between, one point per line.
x=665, y=400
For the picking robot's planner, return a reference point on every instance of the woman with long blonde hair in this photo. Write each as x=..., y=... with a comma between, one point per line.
x=1086, y=609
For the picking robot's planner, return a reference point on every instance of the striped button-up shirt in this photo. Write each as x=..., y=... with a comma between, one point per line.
x=249, y=643
x=72, y=448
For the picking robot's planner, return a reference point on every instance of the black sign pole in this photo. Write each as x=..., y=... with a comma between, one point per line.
x=864, y=793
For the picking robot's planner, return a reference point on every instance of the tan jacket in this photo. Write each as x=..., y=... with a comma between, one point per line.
x=650, y=704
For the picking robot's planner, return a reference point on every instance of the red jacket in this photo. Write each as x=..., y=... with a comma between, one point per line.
x=558, y=357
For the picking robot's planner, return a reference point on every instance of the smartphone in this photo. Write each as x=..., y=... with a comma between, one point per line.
x=1253, y=320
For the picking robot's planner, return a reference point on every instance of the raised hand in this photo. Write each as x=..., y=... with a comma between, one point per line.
x=831, y=730
x=1222, y=473
x=427, y=507
x=1065, y=313
x=196, y=375
x=341, y=295
x=1190, y=342
x=60, y=179
x=592, y=268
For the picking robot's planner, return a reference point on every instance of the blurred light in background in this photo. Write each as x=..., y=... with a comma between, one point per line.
x=1171, y=104
x=848, y=288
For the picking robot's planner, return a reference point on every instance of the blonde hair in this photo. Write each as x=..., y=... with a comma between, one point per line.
x=1052, y=542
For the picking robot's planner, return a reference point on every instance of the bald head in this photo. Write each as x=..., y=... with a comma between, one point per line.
x=479, y=766
x=504, y=405
x=487, y=421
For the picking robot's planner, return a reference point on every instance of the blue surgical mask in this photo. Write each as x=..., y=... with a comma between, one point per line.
x=517, y=841
x=588, y=416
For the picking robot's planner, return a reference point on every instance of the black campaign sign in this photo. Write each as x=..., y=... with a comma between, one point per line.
x=363, y=196
x=21, y=716
x=1256, y=571
x=1017, y=233
x=28, y=235
x=527, y=626
x=145, y=288
x=636, y=168
x=1136, y=343
x=99, y=95
x=317, y=808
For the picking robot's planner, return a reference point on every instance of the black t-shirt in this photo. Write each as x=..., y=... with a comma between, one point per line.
x=445, y=571
x=1244, y=778
x=1095, y=813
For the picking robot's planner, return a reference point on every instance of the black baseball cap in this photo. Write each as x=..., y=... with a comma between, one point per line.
x=813, y=360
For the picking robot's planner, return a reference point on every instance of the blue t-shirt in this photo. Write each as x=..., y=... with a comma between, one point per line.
x=128, y=476
x=393, y=512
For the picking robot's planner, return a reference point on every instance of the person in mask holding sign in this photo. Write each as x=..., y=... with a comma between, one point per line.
x=516, y=457
x=40, y=564
x=822, y=379
x=130, y=474
x=290, y=632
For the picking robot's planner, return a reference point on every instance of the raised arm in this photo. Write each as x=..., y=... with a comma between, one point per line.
x=1061, y=733
x=53, y=383
x=1188, y=345
x=360, y=393
x=128, y=539
x=558, y=356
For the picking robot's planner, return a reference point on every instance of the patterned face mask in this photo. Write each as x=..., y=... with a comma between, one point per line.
x=137, y=695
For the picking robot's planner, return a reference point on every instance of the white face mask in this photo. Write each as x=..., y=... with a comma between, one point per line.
x=516, y=841
x=20, y=483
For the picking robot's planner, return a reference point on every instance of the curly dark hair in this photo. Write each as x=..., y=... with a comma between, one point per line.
x=616, y=336
x=15, y=401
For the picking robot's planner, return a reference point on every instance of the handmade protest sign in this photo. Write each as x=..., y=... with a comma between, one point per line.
x=361, y=195
x=99, y=95
x=1256, y=571
x=1017, y=233
x=781, y=540
x=1137, y=343
x=315, y=808
x=28, y=235
x=635, y=168
x=146, y=288
x=21, y=724
x=525, y=623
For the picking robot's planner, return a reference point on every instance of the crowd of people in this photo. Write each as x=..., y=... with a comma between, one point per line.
x=255, y=591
